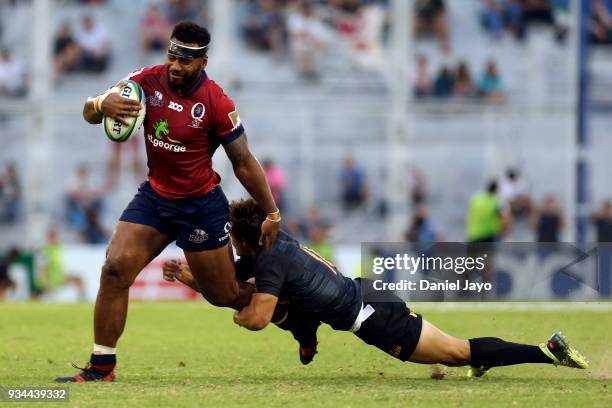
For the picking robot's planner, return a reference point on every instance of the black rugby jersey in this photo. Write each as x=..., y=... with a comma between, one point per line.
x=297, y=274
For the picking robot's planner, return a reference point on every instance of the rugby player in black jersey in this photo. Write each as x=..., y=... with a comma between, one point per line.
x=295, y=275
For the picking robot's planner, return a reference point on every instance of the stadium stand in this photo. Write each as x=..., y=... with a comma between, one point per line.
x=457, y=144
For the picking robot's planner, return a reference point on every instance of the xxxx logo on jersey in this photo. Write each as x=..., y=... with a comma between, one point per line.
x=162, y=137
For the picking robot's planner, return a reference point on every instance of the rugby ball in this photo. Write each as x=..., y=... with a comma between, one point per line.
x=114, y=129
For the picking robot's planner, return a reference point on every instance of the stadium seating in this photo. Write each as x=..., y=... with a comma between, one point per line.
x=314, y=126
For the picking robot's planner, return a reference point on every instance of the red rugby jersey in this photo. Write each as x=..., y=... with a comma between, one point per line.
x=182, y=133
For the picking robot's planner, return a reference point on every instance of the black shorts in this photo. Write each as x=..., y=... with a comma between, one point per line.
x=393, y=328
x=197, y=224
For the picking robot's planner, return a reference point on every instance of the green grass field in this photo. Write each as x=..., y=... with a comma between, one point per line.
x=191, y=354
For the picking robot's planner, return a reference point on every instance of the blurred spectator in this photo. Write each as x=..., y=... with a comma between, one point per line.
x=361, y=25
x=12, y=75
x=463, y=86
x=486, y=220
x=348, y=7
x=81, y=198
x=178, y=10
x=419, y=187
x=344, y=17
x=52, y=274
x=307, y=36
x=600, y=24
x=490, y=84
x=314, y=230
x=421, y=230
x=154, y=30
x=66, y=51
x=431, y=18
x=513, y=17
x=539, y=11
x=94, y=46
x=264, y=27
x=5, y=263
x=276, y=180
x=10, y=195
x=492, y=18
x=318, y=242
x=547, y=221
x=602, y=220
x=303, y=227
x=444, y=83
x=514, y=194
x=93, y=232
x=524, y=13
x=352, y=185
x=423, y=84
x=518, y=15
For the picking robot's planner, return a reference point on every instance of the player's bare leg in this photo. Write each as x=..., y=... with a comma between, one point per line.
x=131, y=248
x=482, y=353
x=215, y=275
x=437, y=347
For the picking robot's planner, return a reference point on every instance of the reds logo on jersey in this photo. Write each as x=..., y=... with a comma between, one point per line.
x=197, y=113
x=155, y=100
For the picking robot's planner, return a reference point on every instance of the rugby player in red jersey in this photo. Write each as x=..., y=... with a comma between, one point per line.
x=188, y=118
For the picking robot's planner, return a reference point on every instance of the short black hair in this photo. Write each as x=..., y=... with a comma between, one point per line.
x=512, y=173
x=492, y=186
x=246, y=217
x=191, y=33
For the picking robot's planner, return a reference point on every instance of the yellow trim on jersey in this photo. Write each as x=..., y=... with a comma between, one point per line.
x=318, y=257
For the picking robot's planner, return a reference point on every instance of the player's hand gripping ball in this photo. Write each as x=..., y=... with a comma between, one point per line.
x=122, y=119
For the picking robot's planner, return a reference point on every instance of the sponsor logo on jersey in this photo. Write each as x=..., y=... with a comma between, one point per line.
x=235, y=119
x=162, y=137
x=175, y=106
x=161, y=128
x=198, y=236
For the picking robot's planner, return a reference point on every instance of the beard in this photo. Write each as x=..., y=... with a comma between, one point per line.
x=183, y=82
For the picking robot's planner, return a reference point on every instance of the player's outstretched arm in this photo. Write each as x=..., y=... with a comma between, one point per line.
x=258, y=313
x=250, y=173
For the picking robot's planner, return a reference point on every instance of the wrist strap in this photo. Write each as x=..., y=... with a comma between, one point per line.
x=274, y=216
x=97, y=101
x=102, y=97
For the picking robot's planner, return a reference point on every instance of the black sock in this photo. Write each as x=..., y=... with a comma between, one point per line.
x=494, y=352
x=103, y=362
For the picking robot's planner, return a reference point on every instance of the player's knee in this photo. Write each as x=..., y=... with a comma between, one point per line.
x=116, y=273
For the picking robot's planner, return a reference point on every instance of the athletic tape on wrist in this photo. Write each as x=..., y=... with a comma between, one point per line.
x=101, y=99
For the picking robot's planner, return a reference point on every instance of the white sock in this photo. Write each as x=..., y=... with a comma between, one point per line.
x=98, y=349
